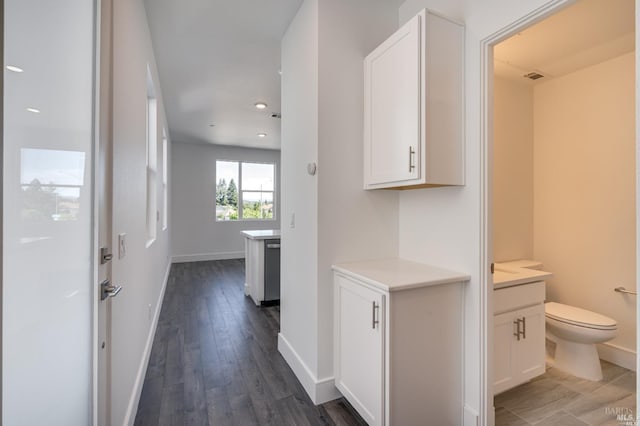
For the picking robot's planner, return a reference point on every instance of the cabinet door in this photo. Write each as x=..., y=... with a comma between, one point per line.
x=359, y=347
x=531, y=350
x=504, y=362
x=392, y=136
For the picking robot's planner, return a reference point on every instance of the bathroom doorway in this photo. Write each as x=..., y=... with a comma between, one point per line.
x=560, y=193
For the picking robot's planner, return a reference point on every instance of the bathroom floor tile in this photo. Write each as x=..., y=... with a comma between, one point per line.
x=610, y=372
x=557, y=398
x=561, y=418
x=536, y=400
x=505, y=417
x=604, y=404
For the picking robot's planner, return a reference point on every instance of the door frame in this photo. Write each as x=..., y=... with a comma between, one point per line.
x=1, y=195
x=486, y=190
x=102, y=208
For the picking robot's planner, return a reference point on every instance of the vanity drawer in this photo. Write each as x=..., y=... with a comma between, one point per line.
x=511, y=298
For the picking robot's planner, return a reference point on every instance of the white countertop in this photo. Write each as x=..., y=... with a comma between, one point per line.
x=399, y=274
x=509, y=277
x=262, y=234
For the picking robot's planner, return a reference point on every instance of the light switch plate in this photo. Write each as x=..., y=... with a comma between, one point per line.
x=122, y=245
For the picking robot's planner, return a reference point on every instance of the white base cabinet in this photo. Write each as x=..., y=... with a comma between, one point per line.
x=519, y=335
x=361, y=347
x=398, y=351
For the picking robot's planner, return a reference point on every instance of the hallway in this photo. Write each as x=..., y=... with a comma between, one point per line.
x=215, y=360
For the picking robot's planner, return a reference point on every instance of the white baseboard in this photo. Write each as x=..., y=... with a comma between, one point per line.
x=320, y=391
x=181, y=258
x=132, y=408
x=617, y=355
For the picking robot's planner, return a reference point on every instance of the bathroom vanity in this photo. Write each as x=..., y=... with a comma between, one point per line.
x=398, y=341
x=518, y=325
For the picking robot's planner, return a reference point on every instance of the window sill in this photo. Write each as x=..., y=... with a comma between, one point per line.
x=247, y=220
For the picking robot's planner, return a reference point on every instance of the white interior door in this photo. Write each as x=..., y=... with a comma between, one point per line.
x=49, y=245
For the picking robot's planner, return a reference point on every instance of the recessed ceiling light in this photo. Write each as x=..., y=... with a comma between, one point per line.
x=262, y=135
x=14, y=68
x=212, y=125
x=34, y=110
x=260, y=105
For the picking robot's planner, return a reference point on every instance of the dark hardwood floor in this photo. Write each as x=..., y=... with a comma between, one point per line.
x=215, y=360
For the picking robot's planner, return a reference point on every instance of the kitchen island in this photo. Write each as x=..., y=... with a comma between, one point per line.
x=262, y=265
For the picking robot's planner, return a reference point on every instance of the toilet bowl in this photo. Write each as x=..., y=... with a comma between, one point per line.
x=575, y=332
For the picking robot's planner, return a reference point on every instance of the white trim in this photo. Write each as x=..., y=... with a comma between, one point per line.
x=134, y=400
x=181, y=258
x=319, y=390
x=471, y=417
x=486, y=410
x=618, y=355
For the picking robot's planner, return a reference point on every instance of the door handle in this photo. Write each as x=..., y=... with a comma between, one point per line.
x=519, y=332
x=108, y=290
x=374, y=320
x=517, y=323
x=411, y=152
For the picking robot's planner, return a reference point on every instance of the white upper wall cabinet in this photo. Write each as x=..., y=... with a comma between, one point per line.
x=413, y=106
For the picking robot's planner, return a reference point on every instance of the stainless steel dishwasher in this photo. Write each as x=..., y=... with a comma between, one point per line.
x=271, y=272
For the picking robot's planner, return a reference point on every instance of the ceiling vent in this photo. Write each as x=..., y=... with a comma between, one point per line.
x=276, y=115
x=533, y=75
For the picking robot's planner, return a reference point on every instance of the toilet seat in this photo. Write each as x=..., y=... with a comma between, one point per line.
x=578, y=317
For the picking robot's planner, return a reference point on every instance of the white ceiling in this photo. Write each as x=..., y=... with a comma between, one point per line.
x=584, y=34
x=216, y=59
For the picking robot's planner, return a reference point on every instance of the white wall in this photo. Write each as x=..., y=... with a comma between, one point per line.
x=196, y=235
x=353, y=224
x=299, y=146
x=512, y=170
x=142, y=272
x=584, y=196
x=443, y=226
x=336, y=221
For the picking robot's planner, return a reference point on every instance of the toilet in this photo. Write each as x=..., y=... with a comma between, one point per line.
x=575, y=332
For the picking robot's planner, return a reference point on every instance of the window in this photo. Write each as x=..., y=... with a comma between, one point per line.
x=245, y=191
x=152, y=160
x=165, y=179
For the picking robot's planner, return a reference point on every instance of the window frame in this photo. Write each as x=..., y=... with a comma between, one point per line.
x=240, y=191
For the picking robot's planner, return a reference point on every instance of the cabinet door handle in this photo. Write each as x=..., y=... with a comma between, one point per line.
x=411, y=165
x=517, y=323
x=374, y=319
x=524, y=327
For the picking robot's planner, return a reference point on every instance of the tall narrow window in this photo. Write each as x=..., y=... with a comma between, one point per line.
x=152, y=160
x=257, y=184
x=227, y=206
x=165, y=180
